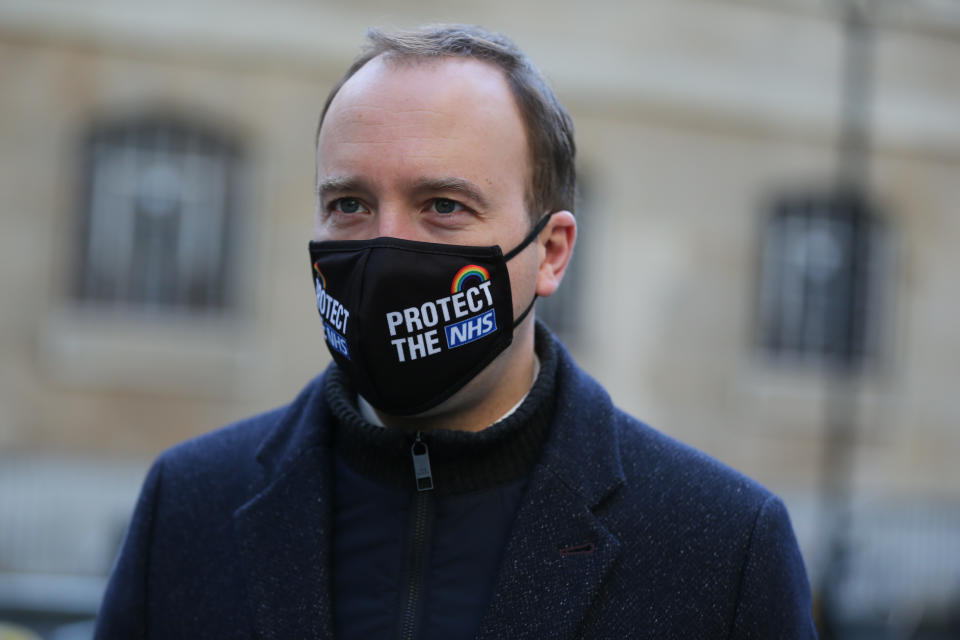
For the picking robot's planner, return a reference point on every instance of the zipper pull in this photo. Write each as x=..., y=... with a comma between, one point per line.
x=421, y=464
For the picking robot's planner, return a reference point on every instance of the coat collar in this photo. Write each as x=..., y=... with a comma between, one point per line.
x=284, y=532
x=284, y=538
x=583, y=449
x=557, y=556
x=559, y=551
x=301, y=426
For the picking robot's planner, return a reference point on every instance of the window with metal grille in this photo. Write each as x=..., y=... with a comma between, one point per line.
x=822, y=264
x=159, y=216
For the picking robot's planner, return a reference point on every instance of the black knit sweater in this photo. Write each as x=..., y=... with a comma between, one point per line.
x=461, y=461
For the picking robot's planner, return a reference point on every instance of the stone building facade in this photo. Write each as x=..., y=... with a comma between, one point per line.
x=694, y=118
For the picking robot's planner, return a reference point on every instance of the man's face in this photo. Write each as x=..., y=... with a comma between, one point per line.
x=433, y=151
x=436, y=151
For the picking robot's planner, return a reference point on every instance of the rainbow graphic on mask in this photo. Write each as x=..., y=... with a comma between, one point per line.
x=465, y=274
x=320, y=279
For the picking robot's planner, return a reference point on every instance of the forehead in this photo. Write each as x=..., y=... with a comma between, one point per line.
x=457, y=110
x=384, y=75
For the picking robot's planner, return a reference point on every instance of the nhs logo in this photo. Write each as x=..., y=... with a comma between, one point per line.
x=460, y=333
x=336, y=340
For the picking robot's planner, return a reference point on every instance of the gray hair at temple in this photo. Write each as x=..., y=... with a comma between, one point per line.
x=548, y=126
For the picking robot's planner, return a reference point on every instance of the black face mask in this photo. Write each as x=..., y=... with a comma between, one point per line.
x=412, y=322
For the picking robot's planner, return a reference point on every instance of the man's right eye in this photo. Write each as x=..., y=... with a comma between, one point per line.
x=347, y=205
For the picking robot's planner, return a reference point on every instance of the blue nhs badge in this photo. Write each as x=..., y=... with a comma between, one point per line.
x=465, y=331
x=335, y=340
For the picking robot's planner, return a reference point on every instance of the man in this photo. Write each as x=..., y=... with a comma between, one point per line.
x=453, y=474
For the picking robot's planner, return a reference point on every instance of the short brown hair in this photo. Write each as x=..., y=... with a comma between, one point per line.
x=548, y=125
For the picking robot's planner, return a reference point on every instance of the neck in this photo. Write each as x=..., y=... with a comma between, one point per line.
x=487, y=398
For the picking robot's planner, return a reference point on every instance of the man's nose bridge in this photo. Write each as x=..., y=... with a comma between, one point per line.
x=392, y=221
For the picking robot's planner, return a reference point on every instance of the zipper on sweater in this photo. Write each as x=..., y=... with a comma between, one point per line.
x=421, y=464
x=420, y=538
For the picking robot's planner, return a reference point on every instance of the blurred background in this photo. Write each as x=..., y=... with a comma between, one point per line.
x=767, y=267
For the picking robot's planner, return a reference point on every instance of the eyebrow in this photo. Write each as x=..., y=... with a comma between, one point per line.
x=448, y=184
x=340, y=184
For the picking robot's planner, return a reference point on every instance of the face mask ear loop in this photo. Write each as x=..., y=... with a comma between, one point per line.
x=530, y=237
x=526, y=311
x=520, y=247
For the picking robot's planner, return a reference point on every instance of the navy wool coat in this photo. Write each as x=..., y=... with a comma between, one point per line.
x=622, y=533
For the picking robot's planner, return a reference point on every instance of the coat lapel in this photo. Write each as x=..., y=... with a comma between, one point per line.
x=284, y=538
x=284, y=532
x=560, y=552
x=554, y=564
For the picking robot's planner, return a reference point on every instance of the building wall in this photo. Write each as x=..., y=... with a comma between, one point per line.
x=691, y=117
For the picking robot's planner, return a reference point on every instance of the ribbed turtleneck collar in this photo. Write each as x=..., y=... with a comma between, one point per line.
x=461, y=461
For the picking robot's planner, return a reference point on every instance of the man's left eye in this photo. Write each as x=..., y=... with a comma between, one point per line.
x=446, y=205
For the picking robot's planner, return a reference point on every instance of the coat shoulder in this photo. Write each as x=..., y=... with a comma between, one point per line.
x=715, y=549
x=680, y=473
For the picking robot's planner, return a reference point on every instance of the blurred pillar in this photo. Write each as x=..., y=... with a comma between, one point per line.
x=843, y=368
